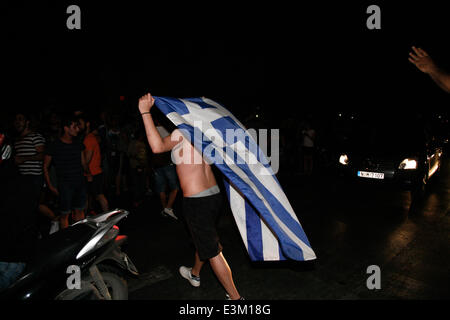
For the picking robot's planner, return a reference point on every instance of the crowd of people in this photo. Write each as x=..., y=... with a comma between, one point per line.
x=73, y=164
x=69, y=165
x=79, y=162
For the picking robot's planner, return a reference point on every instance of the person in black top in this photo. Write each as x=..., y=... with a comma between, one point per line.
x=19, y=234
x=67, y=155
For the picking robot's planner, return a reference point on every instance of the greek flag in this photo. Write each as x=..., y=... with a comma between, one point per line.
x=266, y=221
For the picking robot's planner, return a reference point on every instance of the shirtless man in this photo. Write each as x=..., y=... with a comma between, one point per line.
x=201, y=201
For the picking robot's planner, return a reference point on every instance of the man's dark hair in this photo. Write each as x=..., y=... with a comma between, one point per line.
x=32, y=120
x=162, y=120
x=67, y=120
x=93, y=122
x=25, y=114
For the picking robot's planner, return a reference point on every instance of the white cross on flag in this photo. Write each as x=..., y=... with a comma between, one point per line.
x=266, y=221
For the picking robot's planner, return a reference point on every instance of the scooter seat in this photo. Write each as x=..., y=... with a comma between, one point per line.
x=61, y=247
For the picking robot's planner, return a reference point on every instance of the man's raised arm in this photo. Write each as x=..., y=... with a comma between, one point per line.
x=157, y=144
x=424, y=63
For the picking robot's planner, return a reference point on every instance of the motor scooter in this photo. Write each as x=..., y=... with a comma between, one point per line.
x=83, y=261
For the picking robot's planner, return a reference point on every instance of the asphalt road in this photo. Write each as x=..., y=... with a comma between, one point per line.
x=349, y=228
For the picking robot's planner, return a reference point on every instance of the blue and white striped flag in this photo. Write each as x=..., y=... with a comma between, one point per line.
x=265, y=219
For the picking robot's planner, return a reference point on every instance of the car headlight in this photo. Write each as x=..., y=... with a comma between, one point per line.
x=343, y=159
x=408, y=164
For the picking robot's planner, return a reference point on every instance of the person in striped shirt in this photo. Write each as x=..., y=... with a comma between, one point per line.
x=29, y=155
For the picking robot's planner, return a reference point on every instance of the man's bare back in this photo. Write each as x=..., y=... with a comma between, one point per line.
x=194, y=173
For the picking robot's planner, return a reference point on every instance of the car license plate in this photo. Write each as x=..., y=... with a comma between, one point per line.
x=371, y=175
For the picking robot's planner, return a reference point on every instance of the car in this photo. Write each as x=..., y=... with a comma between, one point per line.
x=397, y=151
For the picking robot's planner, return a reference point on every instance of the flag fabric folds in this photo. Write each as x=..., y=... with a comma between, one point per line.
x=266, y=221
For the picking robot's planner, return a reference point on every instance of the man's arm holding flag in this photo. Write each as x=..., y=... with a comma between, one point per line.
x=158, y=144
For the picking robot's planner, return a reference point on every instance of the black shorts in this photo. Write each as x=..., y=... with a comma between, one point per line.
x=308, y=151
x=95, y=187
x=201, y=215
x=72, y=196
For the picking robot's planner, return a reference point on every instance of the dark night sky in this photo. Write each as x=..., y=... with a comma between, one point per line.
x=281, y=58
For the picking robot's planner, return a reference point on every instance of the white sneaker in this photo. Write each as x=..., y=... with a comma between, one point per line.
x=227, y=297
x=54, y=227
x=186, y=273
x=169, y=212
